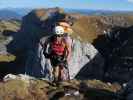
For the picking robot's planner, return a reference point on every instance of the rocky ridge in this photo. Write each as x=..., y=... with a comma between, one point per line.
x=29, y=88
x=107, y=33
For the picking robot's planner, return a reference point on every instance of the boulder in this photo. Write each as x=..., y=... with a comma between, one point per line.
x=25, y=87
x=85, y=60
x=116, y=48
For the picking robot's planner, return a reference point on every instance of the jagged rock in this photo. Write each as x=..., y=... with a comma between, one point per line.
x=10, y=25
x=115, y=21
x=127, y=91
x=39, y=23
x=7, y=26
x=4, y=42
x=35, y=26
x=44, y=90
x=21, y=87
x=85, y=60
x=122, y=66
x=3, y=49
x=88, y=28
x=116, y=48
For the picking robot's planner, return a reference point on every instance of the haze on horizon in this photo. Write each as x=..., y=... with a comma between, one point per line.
x=123, y=5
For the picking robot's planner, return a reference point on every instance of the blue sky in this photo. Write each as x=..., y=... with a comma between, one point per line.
x=81, y=4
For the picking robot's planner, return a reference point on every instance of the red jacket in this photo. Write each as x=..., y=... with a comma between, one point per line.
x=59, y=48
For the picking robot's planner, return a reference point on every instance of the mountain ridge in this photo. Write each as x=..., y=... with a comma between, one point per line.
x=18, y=13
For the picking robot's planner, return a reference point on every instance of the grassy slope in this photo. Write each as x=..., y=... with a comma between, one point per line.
x=88, y=28
x=12, y=26
x=7, y=58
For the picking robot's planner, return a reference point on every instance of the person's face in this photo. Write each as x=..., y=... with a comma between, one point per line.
x=59, y=37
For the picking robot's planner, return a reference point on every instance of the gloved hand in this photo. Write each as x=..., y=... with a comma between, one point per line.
x=46, y=55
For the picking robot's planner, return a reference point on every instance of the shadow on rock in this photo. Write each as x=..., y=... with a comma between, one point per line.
x=97, y=94
x=14, y=67
x=116, y=48
x=92, y=70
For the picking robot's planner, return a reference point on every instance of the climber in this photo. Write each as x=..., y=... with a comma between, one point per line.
x=67, y=34
x=58, y=52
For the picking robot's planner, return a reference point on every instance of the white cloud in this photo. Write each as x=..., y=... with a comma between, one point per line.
x=130, y=1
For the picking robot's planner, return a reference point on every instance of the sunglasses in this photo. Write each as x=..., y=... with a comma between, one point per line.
x=59, y=35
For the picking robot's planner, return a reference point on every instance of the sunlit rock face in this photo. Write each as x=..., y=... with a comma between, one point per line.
x=85, y=62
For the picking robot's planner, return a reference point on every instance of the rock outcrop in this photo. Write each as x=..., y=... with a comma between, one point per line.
x=7, y=27
x=112, y=40
x=38, y=23
x=128, y=90
x=25, y=87
x=117, y=50
x=85, y=62
x=90, y=27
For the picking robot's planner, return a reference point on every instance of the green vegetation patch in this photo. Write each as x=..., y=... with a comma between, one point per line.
x=7, y=58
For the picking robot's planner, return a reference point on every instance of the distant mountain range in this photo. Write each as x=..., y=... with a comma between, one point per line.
x=13, y=13
x=98, y=12
x=9, y=14
x=18, y=13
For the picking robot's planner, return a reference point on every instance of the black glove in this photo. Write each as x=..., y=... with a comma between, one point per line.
x=46, y=55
